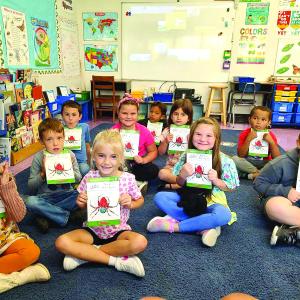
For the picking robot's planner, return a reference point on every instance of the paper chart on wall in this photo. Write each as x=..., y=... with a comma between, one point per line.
x=287, y=59
x=16, y=37
x=70, y=51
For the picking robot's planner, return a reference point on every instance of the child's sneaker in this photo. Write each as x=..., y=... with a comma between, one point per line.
x=143, y=187
x=210, y=236
x=161, y=224
x=285, y=235
x=130, y=264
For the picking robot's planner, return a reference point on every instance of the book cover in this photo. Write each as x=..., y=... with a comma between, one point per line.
x=27, y=89
x=179, y=142
x=2, y=210
x=103, y=206
x=130, y=139
x=259, y=147
x=19, y=95
x=35, y=130
x=59, y=168
x=62, y=90
x=49, y=96
x=26, y=117
x=19, y=118
x=73, y=138
x=5, y=149
x=36, y=104
x=26, y=138
x=21, y=130
x=202, y=164
x=34, y=117
x=16, y=143
x=155, y=129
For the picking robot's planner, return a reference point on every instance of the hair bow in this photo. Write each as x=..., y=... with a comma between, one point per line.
x=129, y=97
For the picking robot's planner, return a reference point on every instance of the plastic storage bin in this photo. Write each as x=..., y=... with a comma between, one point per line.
x=285, y=93
x=297, y=118
x=82, y=96
x=283, y=106
x=163, y=97
x=278, y=117
x=286, y=87
x=137, y=94
x=284, y=99
x=54, y=107
x=63, y=99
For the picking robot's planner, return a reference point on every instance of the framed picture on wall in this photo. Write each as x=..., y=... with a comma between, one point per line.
x=100, y=26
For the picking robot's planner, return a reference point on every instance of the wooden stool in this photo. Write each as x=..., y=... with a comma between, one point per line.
x=222, y=101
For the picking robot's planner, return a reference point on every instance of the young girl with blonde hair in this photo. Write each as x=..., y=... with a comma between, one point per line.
x=114, y=245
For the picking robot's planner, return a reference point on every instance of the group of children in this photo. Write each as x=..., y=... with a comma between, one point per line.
x=186, y=209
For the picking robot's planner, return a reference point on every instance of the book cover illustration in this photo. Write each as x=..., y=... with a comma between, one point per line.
x=35, y=130
x=63, y=90
x=26, y=104
x=73, y=138
x=259, y=147
x=201, y=160
x=5, y=148
x=130, y=139
x=155, y=129
x=59, y=168
x=16, y=143
x=49, y=95
x=180, y=138
x=2, y=210
x=34, y=117
x=19, y=95
x=27, y=89
x=103, y=206
x=27, y=138
x=26, y=117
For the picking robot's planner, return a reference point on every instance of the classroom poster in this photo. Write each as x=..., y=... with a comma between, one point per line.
x=1, y=50
x=103, y=206
x=100, y=58
x=251, y=49
x=16, y=37
x=287, y=59
x=257, y=14
x=100, y=26
x=41, y=42
x=289, y=3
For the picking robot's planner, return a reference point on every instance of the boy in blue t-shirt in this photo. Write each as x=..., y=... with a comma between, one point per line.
x=72, y=113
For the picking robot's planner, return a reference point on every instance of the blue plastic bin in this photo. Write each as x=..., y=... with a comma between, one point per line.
x=63, y=99
x=54, y=107
x=163, y=97
x=283, y=106
x=278, y=117
x=297, y=118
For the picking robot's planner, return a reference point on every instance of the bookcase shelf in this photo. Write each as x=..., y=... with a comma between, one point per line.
x=24, y=153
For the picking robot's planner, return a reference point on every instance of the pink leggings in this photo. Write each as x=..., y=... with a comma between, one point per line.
x=18, y=256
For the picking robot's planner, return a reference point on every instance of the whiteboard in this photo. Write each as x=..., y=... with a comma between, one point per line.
x=176, y=42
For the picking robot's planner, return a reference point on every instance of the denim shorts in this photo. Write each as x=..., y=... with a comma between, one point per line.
x=97, y=241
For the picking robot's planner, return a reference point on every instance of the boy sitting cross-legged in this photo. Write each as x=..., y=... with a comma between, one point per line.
x=72, y=113
x=52, y=202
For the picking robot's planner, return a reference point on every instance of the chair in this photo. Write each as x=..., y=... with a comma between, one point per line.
x=249, y=90
x=104, y=95
x=221, y=101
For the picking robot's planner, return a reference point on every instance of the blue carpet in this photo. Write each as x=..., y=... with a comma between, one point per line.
x=177, y=265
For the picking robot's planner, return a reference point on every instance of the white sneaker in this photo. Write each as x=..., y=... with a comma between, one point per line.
x=143, y=187
x=210, y=236
x=130, y=264
x=70, y=262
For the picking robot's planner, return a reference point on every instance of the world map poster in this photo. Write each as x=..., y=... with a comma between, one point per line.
x=100, y=26
x=100, y=58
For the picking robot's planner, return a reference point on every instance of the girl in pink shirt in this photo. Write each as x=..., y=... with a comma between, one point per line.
x=141, y=166
x=113, y=245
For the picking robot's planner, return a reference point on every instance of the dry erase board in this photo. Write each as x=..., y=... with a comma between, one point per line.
x=176, y=41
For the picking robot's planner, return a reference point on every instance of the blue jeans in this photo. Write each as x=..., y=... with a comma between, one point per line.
x=216, y=214
x=84, y=168
x=53, y=206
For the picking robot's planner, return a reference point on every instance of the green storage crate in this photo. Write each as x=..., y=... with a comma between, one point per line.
x=84, y=95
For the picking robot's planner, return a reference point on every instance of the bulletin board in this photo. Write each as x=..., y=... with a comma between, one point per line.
x=29, y=35
x=176, y=41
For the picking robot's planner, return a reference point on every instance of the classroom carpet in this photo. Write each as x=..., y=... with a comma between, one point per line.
x=177, y=266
